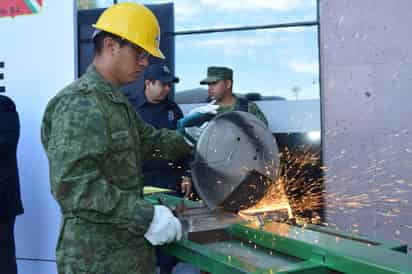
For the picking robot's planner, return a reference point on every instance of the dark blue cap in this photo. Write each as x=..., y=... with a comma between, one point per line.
x=160, y=72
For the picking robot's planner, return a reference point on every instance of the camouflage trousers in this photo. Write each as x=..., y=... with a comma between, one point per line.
x=90, y=248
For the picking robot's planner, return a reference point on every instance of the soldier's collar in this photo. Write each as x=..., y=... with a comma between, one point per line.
x=104, y=86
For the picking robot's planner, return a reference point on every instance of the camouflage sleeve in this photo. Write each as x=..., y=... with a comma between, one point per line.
x=161, y=143
x=254, y=109
x=76, y=143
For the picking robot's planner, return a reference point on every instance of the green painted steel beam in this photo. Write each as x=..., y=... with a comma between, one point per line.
x=206, y=260
x=337, y=253
x=396, y=246
x=170, y=200
x=305, y=267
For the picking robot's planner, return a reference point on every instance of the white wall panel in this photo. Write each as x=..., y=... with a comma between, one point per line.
x=39, y=53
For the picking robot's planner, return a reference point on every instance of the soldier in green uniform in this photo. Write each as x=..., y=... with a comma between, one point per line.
x=220, y=87
x=96, y=144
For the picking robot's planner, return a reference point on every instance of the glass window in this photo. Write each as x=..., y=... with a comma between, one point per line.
x=197, y=14
x=271, y=62
x=93, y=4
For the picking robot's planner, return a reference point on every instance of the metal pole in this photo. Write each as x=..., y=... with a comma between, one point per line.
x=272, y=26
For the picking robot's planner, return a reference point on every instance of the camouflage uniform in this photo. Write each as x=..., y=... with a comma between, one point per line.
x=215, y=74
x=251, y=107
x=96, y=144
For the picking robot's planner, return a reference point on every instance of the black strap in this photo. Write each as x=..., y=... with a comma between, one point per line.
x=242, y=105
x=177, y=113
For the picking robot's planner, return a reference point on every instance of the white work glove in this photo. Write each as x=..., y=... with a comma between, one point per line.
x=195, y=132
x=210, y=108
x=164, y=228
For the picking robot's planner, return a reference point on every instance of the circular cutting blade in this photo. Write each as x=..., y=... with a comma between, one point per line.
x=235, y=161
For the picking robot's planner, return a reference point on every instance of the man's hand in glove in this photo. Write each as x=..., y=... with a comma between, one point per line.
x=197, y=116
x=210, y=108
x=164, y=228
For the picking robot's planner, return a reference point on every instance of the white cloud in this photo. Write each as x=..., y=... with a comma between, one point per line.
x=235, y=46
x=235, y=42
x=236, y=5
x=188, y=9
x=185, y=9
x=310, y=92
x=296, y=29
x=148, y=2
x=303, y=67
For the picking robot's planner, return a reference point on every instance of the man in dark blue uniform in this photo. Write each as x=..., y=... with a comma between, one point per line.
x=155, y=108
x=10, y=201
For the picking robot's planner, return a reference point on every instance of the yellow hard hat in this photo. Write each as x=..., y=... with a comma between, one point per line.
x=133, y=22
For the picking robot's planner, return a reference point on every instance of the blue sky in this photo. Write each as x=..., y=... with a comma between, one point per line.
x=269, y=61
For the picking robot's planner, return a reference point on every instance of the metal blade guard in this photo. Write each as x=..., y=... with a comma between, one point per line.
x=235, y=162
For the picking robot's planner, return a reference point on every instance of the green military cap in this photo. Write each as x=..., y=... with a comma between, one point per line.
x=215, y=74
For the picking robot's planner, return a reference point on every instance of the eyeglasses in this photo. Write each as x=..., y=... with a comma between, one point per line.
x=140, y=53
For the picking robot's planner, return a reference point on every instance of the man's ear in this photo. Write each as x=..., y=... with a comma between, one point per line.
x=110, y=44
x=228, y=84
x=146, y=83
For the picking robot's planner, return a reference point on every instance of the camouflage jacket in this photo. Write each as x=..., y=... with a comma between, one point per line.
x=251, y=107
x=96, y=144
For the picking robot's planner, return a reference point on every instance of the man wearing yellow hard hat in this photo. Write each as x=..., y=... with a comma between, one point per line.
x=96, y=144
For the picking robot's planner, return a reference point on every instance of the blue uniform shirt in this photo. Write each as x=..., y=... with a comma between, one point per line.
x=160, y=173
x=161, y=115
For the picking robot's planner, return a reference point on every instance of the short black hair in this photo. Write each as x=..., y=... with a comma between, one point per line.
x=99, y=38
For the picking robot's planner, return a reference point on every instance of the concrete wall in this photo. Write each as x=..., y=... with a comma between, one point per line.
x=366, y=95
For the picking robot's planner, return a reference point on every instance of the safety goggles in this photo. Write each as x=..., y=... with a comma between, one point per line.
x=140, y=53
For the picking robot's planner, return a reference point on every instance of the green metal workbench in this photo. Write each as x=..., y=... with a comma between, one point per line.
x=275, y=247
